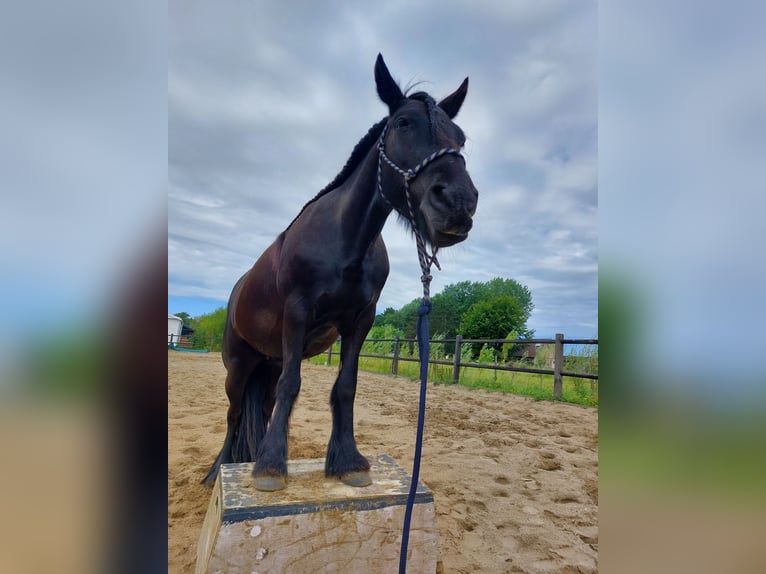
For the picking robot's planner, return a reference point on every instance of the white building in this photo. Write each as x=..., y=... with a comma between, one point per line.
x=175, y=324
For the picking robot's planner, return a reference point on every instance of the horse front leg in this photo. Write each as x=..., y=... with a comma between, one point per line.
x=270, y=470
x=343, y=458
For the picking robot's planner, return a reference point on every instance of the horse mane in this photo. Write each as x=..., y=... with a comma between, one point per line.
x=360, y=150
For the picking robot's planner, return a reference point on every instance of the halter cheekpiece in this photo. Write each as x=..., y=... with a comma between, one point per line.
x=408, y=175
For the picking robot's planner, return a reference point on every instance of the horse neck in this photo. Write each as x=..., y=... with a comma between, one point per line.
x=362, y=212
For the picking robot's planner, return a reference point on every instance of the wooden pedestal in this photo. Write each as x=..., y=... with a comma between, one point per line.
x=316, y=524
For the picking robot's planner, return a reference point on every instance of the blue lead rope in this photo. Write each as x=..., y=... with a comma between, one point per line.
x=423, y=351
x=425, y=261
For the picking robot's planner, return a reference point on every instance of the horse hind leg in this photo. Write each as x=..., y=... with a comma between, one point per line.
x=257, y=407
x=235, y=448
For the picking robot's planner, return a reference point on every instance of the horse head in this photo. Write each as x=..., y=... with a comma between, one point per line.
x=428, y=184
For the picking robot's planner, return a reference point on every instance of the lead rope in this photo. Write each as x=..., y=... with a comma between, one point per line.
x=425, y=261
x=424, y=352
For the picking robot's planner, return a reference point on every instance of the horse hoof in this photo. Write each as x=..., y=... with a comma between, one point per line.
x=357, y=478
x=269, y=483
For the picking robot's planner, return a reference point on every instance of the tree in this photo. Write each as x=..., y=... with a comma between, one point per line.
x=508, y=349
x=184, y=316
x=405, y=319
x=499, y=287
x=387, y=317
x=208, y=329
x=494, y=319
x=451, y=305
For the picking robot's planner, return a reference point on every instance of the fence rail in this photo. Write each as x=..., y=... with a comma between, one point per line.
x=557, y=371
x=210, y=343
x=396, y=356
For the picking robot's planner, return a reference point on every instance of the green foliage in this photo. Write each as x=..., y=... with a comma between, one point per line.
x=466, y=353
x=583, y=360
x=208, y=329
x=387, y=317
x=508, y=349
x=438, y=351
x=405, y=319
x=381, y=347
x=494, y=319
x=487, y=355
x=184, y=316
x=451, y=305
x=544, y=356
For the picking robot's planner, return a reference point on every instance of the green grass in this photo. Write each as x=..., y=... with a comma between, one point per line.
x=540, y=387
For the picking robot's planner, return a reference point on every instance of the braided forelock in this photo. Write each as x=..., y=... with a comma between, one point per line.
x=430, y=108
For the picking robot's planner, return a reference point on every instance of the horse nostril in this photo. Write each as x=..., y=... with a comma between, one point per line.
x=439, y=193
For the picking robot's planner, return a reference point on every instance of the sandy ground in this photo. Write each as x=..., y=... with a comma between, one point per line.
x=515, y=481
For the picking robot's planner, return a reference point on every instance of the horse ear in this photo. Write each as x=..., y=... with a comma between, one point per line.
x=388, y=90
x=451, y=104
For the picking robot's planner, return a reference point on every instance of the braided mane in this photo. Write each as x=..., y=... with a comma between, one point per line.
x=360, y=150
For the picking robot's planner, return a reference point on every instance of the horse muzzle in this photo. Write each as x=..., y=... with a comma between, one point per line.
x=451, y=235
x=450, y=220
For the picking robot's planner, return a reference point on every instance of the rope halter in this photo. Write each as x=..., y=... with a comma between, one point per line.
x=424, y=258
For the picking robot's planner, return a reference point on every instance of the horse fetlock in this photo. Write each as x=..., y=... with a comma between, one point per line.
x=342, y=463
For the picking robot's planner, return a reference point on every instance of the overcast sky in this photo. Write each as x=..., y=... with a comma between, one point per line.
x=266, y=100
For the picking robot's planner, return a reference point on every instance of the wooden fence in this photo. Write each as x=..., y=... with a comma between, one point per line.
x=178, y=341
x=194, y=342
x=397, y=356
x=557, y=371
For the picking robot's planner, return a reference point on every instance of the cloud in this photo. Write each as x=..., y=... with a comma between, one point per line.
x=265, y=108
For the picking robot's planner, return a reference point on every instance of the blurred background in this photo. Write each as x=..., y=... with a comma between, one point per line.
x=681, y=283
x=83, y=156
x=83, y=152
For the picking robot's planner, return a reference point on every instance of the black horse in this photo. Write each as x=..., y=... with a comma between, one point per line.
x=322, y=277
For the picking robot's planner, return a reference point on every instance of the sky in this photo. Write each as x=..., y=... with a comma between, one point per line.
x=266, y=100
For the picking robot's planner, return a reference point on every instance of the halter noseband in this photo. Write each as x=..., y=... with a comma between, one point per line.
x=410, y=174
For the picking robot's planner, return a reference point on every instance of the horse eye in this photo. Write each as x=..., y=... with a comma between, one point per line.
x=401, y=123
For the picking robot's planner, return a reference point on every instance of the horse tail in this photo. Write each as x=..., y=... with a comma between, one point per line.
x=241, y=443
x=213, y=472
x=252, y=420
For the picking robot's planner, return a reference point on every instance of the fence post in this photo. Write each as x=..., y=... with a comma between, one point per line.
x=558, y=365
x=395, y=361
x=456, y=363
x=329, y=356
